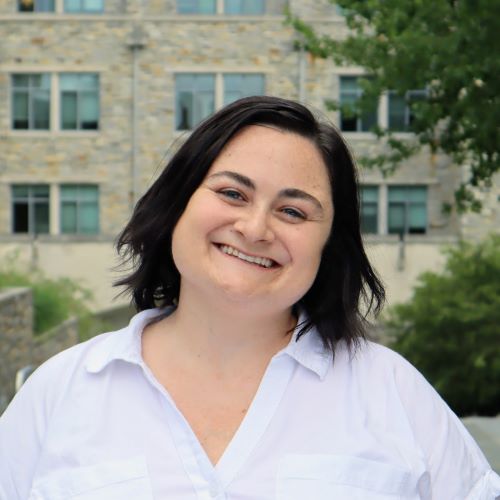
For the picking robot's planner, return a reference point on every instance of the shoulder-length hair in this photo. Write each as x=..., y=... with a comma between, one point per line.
x=346, y=288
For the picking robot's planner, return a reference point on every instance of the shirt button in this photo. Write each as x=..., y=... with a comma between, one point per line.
x=214, y=490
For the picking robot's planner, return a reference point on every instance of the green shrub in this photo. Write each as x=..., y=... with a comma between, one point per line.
x=54, y=300
x=450, y=329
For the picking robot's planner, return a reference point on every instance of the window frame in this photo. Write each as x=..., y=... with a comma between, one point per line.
x=407, y=204
x=34, y=9
x=364, y=204
x=408, y=115
x=31, y=201
x=218, y=92
x=360, y=118
x=78, y=202
x=30, y=90
x=221, y=7
x=78, y=93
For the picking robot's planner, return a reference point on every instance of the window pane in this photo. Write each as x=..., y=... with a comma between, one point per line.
x=396, y=218
x=242, y=85
x=417, y=194
x=398, y=193
x=41, y=223
x=194, y=99
x=89, y=111
x=20, y=81
x=196, y=6
x=369, y=193
x=26, y=6
x=40, y=192
x=41, y=81
x=88, y=193
x=69, y=193
x=69, y=111
x=368, y=120
x=88, y=81
x=203, y=106
x=68, y=217
x=20, y=218
x=253, y=7
x=184, y=111
x=41, y=109
x=20, y=191
x=88, y=218
x=69, y=81
x=417, y=218
x=206, y=6
x=369, y=218
x=44, y=5
x=93, y=5
x=397, y=112
x=20, y=109
x=72, y=5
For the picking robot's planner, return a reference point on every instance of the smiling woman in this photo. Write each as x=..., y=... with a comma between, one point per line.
x=245, y=373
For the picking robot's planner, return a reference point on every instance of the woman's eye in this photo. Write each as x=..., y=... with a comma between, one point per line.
x=232, y=194
x=293, y=213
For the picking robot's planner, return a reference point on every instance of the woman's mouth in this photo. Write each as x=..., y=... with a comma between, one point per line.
x=252, y=259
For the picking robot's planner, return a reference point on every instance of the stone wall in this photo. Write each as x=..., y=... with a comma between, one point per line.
x=18, y=346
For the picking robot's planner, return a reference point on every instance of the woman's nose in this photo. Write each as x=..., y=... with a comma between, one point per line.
x=255, y=226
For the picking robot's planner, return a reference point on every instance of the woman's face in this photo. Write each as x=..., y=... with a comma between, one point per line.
x=254, y=230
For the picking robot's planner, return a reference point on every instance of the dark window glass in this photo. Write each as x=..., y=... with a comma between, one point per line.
x=195, y=99
x=407, y=210
x=351, y=120
x=369, y=209
x=30, y=209
x=31, y=101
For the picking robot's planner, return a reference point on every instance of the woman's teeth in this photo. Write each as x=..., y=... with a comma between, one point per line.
x=261, y=261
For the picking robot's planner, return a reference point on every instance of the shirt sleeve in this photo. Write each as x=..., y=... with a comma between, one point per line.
x=22, y=427
x=456, y=466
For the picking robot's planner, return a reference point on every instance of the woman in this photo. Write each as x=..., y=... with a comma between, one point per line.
x=252, y=379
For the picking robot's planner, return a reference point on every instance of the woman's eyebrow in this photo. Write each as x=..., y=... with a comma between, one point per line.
x=284, y=193
x=300, y=195
x=241, y=179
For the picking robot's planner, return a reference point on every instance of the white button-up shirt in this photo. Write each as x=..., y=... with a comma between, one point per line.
x=93, y=423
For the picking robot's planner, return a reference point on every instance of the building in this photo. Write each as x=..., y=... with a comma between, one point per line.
x=93, y=92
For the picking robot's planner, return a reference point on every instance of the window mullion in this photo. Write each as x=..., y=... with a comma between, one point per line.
x=219, y=90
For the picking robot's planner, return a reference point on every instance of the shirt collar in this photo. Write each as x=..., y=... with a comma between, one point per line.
x=125, y=345
x=308, y=349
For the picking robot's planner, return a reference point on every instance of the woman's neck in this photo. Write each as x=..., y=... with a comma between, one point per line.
x=224, y=335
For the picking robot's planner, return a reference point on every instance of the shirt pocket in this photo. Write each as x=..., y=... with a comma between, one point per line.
x=328, y=477
x=113, y=480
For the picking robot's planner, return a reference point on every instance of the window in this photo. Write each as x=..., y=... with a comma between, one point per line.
x=79, y=101
x=231, y=7
x=399, y=109
x=242, y=85
x=351, y=120
x=83, y=6
x=35, y=6
x=31, y=101
x=79, y=209
x=196, y=6
x=407, y=210
x=194, y=98
x=369, y=209
x=30, y=209
x=244, y=7
x=195, y=94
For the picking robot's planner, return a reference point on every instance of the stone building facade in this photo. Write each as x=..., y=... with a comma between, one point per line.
x=94, y=92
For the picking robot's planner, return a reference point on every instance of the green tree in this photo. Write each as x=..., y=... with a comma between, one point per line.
x=450, y=329
x=447, y=47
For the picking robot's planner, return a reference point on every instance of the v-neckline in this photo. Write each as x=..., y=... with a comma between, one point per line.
x=248, y=434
